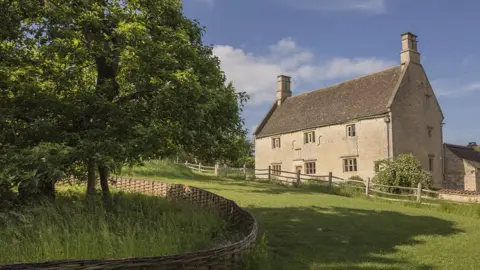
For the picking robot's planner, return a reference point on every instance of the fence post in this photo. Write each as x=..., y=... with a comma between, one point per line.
x=419, y=192
x=186, y=163
x=226, y=169
x=245, y=171
x=367, y=187
x=200, y=167
x=330, y=179
x=269, y=173
x=216, y=168
x=298, y=178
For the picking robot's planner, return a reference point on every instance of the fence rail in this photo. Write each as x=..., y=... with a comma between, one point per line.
x=405, y=194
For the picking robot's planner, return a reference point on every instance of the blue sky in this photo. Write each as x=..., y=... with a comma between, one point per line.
x=322, y=42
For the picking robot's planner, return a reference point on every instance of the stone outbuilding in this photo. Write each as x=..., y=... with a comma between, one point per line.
x=462, y=167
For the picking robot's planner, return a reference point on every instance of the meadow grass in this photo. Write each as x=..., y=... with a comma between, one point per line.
x=133, y=225
x=314, y=227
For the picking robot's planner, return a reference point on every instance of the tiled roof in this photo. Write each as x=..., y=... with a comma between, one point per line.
x=357, y=98
x=465, y=152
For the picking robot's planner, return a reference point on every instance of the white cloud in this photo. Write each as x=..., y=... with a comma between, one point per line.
x=370, y=6
x=256, y=74
x=454, y=87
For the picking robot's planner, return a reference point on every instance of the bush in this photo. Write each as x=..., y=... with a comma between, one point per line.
x=356, y=178
x=404, y=170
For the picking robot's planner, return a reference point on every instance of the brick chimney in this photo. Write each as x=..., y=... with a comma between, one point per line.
x=409, y=51
x=283, y=88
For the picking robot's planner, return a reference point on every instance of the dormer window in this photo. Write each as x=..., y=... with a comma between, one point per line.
x=275, y=143
x=309, y=137
x=351, y=130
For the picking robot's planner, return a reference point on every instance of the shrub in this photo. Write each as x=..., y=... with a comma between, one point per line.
x=356, y=177
x=404, y=170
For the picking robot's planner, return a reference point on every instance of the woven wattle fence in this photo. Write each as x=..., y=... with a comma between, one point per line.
x=225, y=257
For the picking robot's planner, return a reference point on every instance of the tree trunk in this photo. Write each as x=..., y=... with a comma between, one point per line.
x=47, y=187
x=103, y=171
x=92, y=180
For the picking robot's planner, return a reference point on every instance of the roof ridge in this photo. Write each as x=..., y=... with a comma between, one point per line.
x=459, y=146
x=347, y=81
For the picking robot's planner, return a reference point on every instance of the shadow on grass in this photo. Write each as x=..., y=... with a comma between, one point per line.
x=344, y=238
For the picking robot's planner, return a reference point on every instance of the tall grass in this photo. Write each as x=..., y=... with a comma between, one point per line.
x=134, y=225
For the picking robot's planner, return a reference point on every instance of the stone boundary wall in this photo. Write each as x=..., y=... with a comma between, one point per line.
x=459, y=195
x=225, y=257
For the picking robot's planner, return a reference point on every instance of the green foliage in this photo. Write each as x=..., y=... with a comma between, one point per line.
x=111, y=83
x=356, y=177
x=134, y=225
x=404, y=170
x=257, y=258
x=307, y=228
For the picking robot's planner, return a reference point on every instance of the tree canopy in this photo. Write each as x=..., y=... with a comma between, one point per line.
x=87, y=86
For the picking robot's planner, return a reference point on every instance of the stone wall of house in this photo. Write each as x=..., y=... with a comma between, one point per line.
x=331, y=146
x=412, y=115
x=454, y=171
x=459, y=173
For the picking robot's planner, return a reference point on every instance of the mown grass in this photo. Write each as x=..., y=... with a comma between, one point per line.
x=133, y=225
x=313, y=227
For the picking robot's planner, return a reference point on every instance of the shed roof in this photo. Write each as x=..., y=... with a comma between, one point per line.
x=465, y=152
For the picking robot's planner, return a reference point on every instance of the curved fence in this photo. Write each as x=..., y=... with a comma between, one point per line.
x=225, y=257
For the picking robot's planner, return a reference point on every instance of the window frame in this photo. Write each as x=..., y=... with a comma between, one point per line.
x=310, y=167
x=431, y=159
x=309, y=137
x=351, y=130
x=276, y=169
x=428, y=99
x=430, y=131
x=350, y=164
x=274, y=142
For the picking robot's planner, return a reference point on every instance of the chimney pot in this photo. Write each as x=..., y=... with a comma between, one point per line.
x=283, y=88
x=409, y=51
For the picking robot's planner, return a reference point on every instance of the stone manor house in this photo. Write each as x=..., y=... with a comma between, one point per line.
x=347, y=127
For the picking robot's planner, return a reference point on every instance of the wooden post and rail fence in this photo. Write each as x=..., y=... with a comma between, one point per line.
x=370, y=189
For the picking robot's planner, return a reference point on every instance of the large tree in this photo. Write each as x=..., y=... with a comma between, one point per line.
x=103, y=83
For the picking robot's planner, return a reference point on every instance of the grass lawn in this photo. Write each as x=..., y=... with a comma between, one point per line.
x=134, y=225
x=306, y=229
